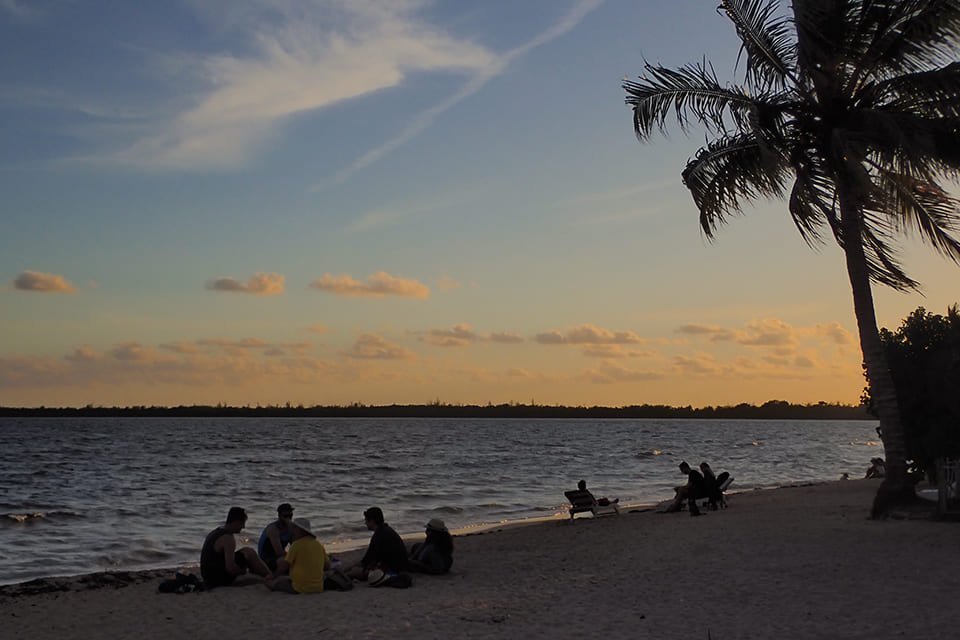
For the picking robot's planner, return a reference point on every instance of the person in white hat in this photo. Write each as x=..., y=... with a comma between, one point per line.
x=305, y=563
x=435, y=554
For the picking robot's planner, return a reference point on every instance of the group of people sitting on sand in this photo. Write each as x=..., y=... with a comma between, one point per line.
x=291, y=559
x=701, y=485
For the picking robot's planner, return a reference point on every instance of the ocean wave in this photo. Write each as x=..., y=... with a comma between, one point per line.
x=25, y=518
x=653, y=453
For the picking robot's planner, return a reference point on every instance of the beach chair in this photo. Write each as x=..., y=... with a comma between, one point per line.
x=721, y=501
x=582, y=501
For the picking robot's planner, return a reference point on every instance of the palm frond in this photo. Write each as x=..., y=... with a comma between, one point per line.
x=935, y=94
x=812, y=203
x=909, y=35
x=691, y=93
x=907, y=142
x=730, y=169
x=881, y=249
x=766, y=39
x=923, y=206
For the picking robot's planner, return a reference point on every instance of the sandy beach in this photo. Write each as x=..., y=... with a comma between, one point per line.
x=795, y=562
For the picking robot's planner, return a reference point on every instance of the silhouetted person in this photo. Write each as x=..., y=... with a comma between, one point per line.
x=603, y=502
x=276, y=537
x=877, y=469
x=712, y=485
x=386, y=550
x=435, y=554
x=694, y=489
x=220, y=560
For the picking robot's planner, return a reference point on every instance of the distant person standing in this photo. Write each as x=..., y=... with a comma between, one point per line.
x=386, y=550
x=220, y=561
x=276, y=537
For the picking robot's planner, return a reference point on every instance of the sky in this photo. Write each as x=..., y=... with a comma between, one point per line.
x=390, y=201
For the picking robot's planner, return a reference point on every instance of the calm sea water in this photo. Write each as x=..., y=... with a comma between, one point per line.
x=89, y=494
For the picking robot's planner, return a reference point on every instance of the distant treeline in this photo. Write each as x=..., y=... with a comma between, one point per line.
x=772, y=410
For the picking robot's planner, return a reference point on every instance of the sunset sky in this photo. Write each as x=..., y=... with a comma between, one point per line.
x=379, y=201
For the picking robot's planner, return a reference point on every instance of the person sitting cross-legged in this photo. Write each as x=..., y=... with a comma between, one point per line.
x=304, y=565
x=221, y=563
x=386, y=550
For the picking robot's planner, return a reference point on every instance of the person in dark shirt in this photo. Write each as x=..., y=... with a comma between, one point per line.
x=220, y=560
x=695, y=488
x=386, y=550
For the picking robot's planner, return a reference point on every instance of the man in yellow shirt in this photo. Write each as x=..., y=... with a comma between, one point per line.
x=304, y=564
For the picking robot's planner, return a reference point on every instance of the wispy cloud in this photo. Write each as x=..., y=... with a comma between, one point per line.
x=588, y=334
x=611, y=373
x=378, y=285
x=40, y=282
x=770, y=332
x=21, y=9
x=493, y=67
x=506, y=337
x=446, y=283
x=305, y=56
x=370, y=346
x=260, y=284
x=460, y=335
x=319, y=329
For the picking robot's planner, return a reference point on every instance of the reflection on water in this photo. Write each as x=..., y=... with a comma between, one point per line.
x=87, y=494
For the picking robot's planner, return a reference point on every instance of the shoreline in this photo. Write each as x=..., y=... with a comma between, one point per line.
x=348, y=551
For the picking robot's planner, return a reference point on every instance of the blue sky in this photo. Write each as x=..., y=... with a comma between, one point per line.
x=428, y=190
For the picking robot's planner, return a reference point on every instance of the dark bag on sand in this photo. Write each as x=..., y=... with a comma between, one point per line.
x=337, y=580
x=182, y=583
x=398, y=581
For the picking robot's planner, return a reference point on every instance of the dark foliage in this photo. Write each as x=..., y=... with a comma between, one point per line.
x=924, y=357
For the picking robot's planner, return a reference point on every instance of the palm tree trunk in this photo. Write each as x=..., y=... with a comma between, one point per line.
x=895, y=488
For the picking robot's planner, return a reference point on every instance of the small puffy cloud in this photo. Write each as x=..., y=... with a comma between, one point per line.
x=608, y=351
x=133, y=352
x=835, y=332
x=715, y=333
x=318, y=329
x=588, y=334
x=261, y=284
x=611, y=373
x=769, y=332
x=446, y=283
x=180, y=347
x=84, y=353
x=40, y=282
x=378, y=285
x=373, y=347
x=460, y=335
x=701, y=364
x=505, y=337
x=804, y=361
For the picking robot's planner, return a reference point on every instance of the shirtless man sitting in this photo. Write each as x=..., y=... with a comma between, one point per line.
x=221, y=563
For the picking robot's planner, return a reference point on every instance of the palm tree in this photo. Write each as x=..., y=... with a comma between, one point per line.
x=857, y=104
